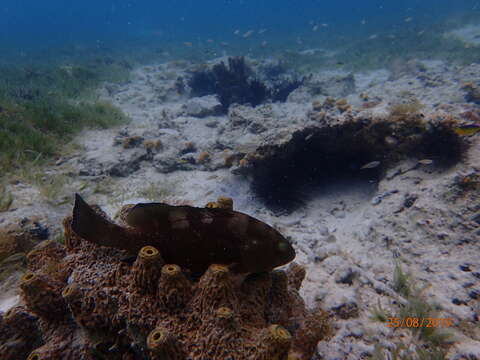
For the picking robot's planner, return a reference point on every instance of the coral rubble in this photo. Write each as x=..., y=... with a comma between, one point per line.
x=472, y=92
x=21, y=237
x=85, y=301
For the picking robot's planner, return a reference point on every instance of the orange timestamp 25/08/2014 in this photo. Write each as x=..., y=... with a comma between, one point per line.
x=415, y=322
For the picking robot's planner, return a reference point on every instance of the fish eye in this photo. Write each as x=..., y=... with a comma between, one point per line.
x=282, y=246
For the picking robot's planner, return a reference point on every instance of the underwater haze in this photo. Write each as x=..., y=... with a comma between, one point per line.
x=33, y=31
x=338, y=138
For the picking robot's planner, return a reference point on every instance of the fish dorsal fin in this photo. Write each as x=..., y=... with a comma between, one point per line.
x=158, y=216
x=148, y=215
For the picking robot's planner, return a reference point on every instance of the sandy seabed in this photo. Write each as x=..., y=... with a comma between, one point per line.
x=350, y=236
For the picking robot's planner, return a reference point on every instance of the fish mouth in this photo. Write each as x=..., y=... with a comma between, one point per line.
x=286, y=252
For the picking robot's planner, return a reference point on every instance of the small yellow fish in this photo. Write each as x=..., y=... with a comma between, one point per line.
x=371, y=165
x=188, y=43
x=467, y=129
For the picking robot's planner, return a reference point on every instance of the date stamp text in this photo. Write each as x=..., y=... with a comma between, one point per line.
x=415, y=322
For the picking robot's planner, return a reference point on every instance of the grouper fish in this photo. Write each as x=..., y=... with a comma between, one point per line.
x=191, y=237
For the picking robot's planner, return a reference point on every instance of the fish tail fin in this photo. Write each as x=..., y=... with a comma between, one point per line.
x=91, y=226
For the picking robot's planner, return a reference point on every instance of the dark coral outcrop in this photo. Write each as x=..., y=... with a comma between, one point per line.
x=85, y=301
x=238, y=83
x=312, y=158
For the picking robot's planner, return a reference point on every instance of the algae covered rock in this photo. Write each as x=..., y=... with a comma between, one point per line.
x=85, y=301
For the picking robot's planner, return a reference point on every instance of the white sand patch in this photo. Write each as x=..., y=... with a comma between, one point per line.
x=469, y=35
x=9, y=302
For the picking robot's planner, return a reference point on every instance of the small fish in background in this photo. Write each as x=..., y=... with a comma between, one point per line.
x=261, y=31
x=236, y=32
x=425, y=162
x=223, y=43
x=264, y=44
x=370, y=165
x=188, y=43
x=324, y=25
x=408, y=19
x=315, y=28
x=248, y=33
x=210, y=52
x=299, y=41
x=466, y=130
x=372, y=37
x=363, y=22
x=420, y=33
x=210, y=41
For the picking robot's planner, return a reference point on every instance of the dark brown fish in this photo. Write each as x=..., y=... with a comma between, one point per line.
x=191, y=237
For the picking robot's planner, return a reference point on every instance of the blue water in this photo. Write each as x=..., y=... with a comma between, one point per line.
x=28, y=27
